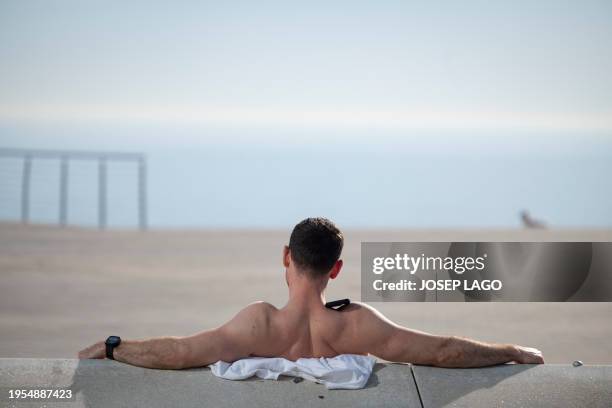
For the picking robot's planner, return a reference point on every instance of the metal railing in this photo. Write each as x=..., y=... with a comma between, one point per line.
x=64, y=157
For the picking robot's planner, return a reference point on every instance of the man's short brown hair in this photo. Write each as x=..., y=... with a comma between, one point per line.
x=316, y=245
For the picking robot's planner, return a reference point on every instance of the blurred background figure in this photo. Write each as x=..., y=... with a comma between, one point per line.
x=529, y=222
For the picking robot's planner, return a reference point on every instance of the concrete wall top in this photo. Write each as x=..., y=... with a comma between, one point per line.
x=104, y=383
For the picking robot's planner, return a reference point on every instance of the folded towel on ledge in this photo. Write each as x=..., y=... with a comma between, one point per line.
x=346, y=371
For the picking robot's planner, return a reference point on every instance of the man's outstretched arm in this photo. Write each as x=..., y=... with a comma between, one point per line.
x=236, y=339
x=392, y=342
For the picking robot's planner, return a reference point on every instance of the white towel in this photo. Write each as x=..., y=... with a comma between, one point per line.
x=346, y=371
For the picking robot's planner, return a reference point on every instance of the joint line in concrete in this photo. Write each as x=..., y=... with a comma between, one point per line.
x=416, y=385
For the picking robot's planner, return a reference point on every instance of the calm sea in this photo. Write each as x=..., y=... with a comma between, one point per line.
x=206, y=177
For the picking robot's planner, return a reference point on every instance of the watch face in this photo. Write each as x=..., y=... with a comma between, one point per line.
x=113, y=341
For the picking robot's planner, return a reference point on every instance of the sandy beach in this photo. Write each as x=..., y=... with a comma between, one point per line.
x=62, y=289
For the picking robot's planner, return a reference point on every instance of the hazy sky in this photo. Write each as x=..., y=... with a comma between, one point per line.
x=380, y=113
x=384, y=64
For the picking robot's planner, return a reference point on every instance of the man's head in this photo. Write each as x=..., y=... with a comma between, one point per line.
x=315, y=246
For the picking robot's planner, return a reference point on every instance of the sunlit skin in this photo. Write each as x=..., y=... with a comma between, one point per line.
x=304, y=327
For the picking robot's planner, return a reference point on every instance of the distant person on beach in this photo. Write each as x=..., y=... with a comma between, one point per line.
x=529, y=222
x=304, y=327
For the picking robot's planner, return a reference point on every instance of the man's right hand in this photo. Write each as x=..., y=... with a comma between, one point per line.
x=97, y=350
x=528, y=355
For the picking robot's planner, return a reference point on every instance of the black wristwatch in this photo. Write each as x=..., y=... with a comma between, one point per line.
x=111, y=343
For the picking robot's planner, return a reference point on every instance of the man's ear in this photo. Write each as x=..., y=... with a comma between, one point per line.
x=336, y=269
x=286, y=255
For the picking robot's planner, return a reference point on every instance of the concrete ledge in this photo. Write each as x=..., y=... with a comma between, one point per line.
x=516, y=386
x=103, y=383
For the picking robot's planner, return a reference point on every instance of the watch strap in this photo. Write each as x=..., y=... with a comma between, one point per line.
x=109, y=351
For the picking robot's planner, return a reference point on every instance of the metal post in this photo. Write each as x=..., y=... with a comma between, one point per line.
x=63, y=204
x=25, y=189
x=142, y=193
x=102, y=192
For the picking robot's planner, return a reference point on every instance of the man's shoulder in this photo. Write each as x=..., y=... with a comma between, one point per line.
x=258, y=310
x=261, y=306
x=363, y=328
x=359, y=308
x=254, y=318
x=361, y=314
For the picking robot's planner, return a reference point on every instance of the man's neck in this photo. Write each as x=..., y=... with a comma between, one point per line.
x=306, y=294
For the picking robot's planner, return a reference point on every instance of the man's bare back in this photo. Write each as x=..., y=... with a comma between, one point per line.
x=313, y=332
x=306, y=328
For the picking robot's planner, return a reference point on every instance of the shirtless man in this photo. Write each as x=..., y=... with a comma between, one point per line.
x=306, y=328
